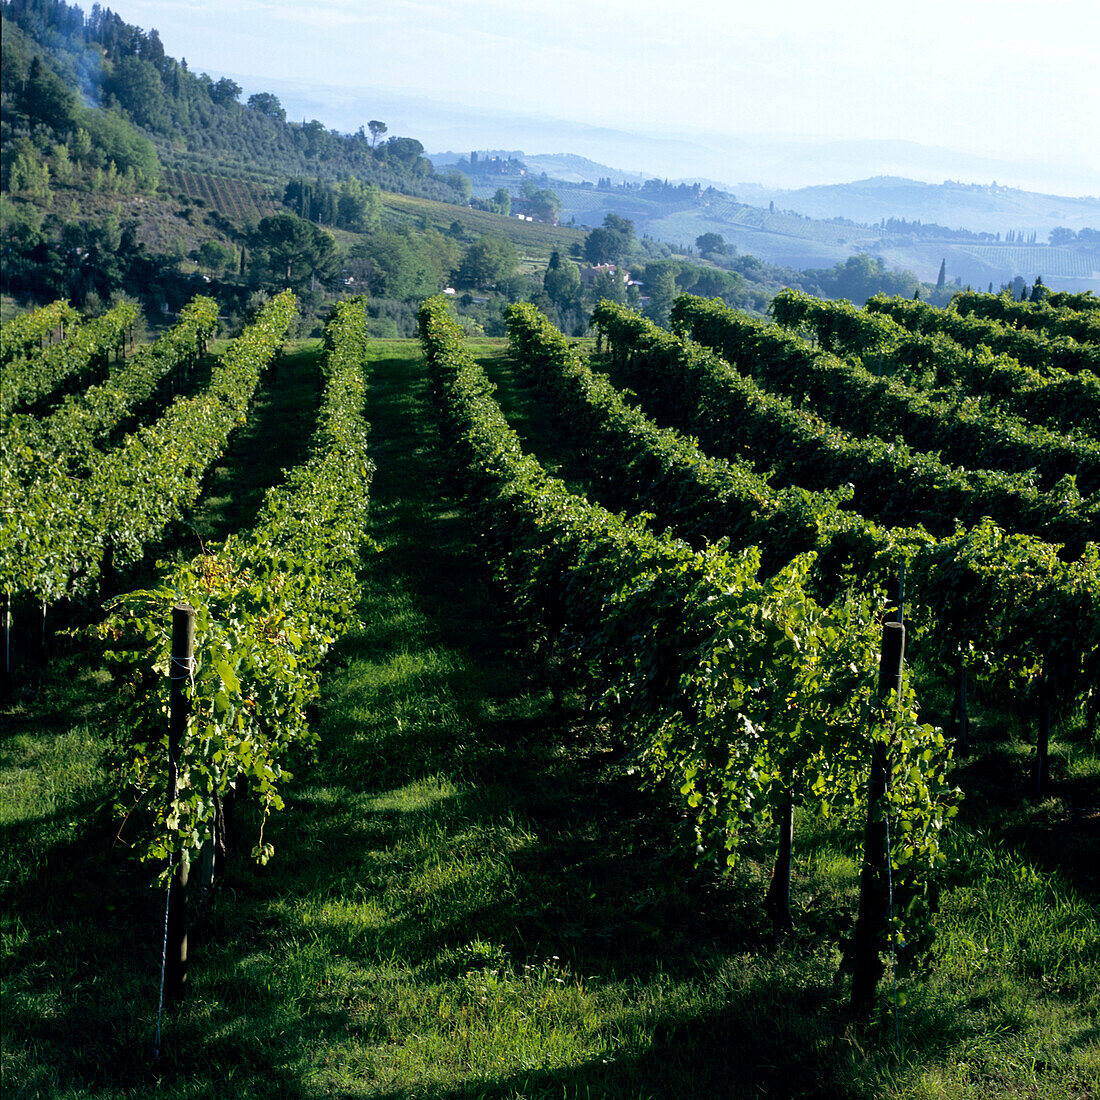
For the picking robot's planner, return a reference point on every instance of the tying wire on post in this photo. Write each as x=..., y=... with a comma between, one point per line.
x=187, y=663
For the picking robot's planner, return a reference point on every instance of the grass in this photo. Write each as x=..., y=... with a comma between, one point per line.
x=469, y=900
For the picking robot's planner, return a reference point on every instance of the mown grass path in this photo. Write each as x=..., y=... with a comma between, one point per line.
x=467, y=900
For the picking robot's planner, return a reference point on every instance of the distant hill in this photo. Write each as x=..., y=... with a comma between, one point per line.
x=989, y=208
x=985, y=233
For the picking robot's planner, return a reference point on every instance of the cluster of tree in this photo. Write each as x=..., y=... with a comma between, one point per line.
x=493, y=164
x=1061, y=235
x=92, y=263
x=51, y=139
x=652, y=287
x=859, y=278
x=917, y=229
x=674, y=194
x=348, y=204
x=1019, y=290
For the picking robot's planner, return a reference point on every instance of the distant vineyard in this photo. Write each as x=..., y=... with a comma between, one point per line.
x=530, y=238
x=1066, y=263
x=234, y=198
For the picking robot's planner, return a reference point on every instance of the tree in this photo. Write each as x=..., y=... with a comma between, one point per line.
x=403, y=265
x=544, y=205
x=268, y=105
x=612, y=286
x=290, y=252
x=105, y=136
x=611, y=243
x=377, y=129
x=20, y=225
x=710, y=242
x=358, y=206
x=661, y=288
x=460, y=183
x=502, y=202
x=216, y=256
x=487, y=261
x=942, y=277
x=404, y=155
x=47, y=100
x=562, y=283
x=137, y=87
x=225, y=91
x=28, y=178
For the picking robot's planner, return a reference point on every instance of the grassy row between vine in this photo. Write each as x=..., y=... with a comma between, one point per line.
x=57, y=530
x=80, y=426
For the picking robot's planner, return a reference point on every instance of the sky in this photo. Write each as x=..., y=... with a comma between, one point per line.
x=1013, y=80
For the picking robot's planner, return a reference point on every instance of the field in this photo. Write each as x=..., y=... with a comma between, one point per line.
x=470, y=895
x=534, y=241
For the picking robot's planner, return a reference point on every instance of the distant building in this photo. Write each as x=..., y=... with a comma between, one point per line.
x=590, y=274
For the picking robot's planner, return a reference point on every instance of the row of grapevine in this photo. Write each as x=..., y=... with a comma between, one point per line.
x=746, y=697
x=34, y=329
x=268, y=605
x=1079, y=301
x=1005, y=609
x=1032, y=349
x=642, y=467
x=1051, y=397
x=732, y=414
x=56, y=530
x=82, y=423
x=849, y=396
x=85, y=350
x=1042, y=316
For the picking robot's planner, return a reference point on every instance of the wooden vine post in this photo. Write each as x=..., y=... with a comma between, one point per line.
x=183, y=644
x=874, y=905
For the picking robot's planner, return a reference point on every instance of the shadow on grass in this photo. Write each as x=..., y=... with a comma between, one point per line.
x=274, y=438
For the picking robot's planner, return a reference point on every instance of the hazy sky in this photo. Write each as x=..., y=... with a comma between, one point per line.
x=1008, y=78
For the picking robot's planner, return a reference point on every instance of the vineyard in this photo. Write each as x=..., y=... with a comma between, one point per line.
x=700, y=713
x=1060, y=262
x=235, y=198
